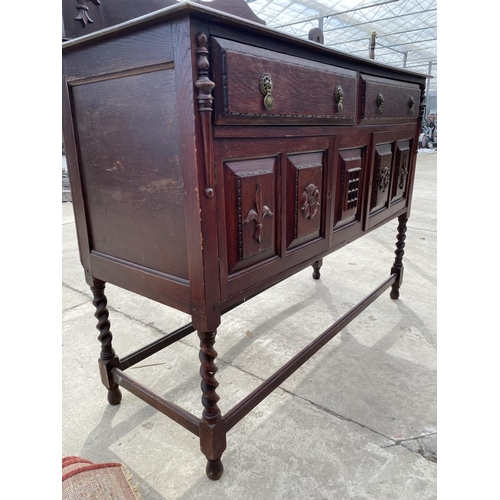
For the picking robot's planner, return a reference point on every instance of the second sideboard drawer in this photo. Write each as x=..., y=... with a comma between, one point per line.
x=385, y=100
x=254, y=85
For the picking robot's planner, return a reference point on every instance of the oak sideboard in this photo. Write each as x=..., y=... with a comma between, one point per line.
x=210, y=158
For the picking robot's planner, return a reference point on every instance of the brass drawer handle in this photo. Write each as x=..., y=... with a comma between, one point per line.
x=411, y=105
x=380, y=103
x=266, y=87
x=339, y=98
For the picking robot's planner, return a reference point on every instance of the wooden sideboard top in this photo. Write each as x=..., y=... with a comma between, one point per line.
x=187, y=7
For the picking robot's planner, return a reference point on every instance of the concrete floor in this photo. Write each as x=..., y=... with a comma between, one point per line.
x=357, y=421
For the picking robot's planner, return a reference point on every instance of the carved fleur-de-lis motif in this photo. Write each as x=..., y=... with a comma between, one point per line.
x=402, y=176
x=257, y=215
x=383, y=181
x=310, y=201
x=83, y=11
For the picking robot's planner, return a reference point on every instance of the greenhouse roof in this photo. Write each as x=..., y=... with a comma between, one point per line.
x=406, y=30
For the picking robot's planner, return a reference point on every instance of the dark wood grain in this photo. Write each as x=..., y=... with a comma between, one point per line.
x=398, y=267
x=148, y=47
x=273, y=165
x=105, y=14
x=171, y=410
x=306, y=197
x=107, y=358
x=251, y=202
x=384, y=173
x=302, y=93
x=131, y=174
x=166, y=289
x=348, y=202
x=396, y=97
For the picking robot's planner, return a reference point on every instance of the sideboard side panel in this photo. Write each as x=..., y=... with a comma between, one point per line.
x=122, y=142
x=129, y=154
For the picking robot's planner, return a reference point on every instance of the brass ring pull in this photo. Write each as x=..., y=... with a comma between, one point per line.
x=339, y=98
x=380, y=103
x=266, y=87
x=411, y=105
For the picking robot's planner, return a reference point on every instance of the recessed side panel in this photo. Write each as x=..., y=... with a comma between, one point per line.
x=401, y=170
x=382, y=175
x=128, y=148
x=251, y=211
x=305, y=198
x=348, y=206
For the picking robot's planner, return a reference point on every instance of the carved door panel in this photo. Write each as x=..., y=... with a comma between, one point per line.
x=272, y=204
x=304, y=198
x=392, y=170
x=250, y=192
x=382, y=175
x=349, y=201
x=401, y=170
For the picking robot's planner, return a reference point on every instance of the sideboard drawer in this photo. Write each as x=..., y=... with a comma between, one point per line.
x=385, y=100
x=254, y=85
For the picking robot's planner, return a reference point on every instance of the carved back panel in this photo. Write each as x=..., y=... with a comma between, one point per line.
x=81, y=17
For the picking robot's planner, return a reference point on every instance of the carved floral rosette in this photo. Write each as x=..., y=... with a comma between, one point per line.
x=309, y=201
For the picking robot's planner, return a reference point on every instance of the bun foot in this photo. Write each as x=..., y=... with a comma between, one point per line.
x=317, y=266
x=114, y=396
x=214, y=469
x=394, y=294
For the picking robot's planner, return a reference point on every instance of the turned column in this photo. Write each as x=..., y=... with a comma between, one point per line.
x=108, y=358
x=398, y=261
x=212, y=427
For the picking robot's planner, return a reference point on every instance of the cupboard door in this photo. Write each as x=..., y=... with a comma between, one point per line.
x=305, y=197
x=392, y=169
x=250, y=189
x=382, y=175
x=273, y=206
x=401, y=170
x=348, y=203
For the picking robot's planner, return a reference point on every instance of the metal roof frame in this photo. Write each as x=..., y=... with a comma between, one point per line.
x=406, y=30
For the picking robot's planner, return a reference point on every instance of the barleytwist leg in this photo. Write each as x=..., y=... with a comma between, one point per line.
x=108, y=358
x=398, y=261
x=212, y=428
x=317, y=266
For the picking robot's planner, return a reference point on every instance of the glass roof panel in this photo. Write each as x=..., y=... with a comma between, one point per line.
x=406, y=30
